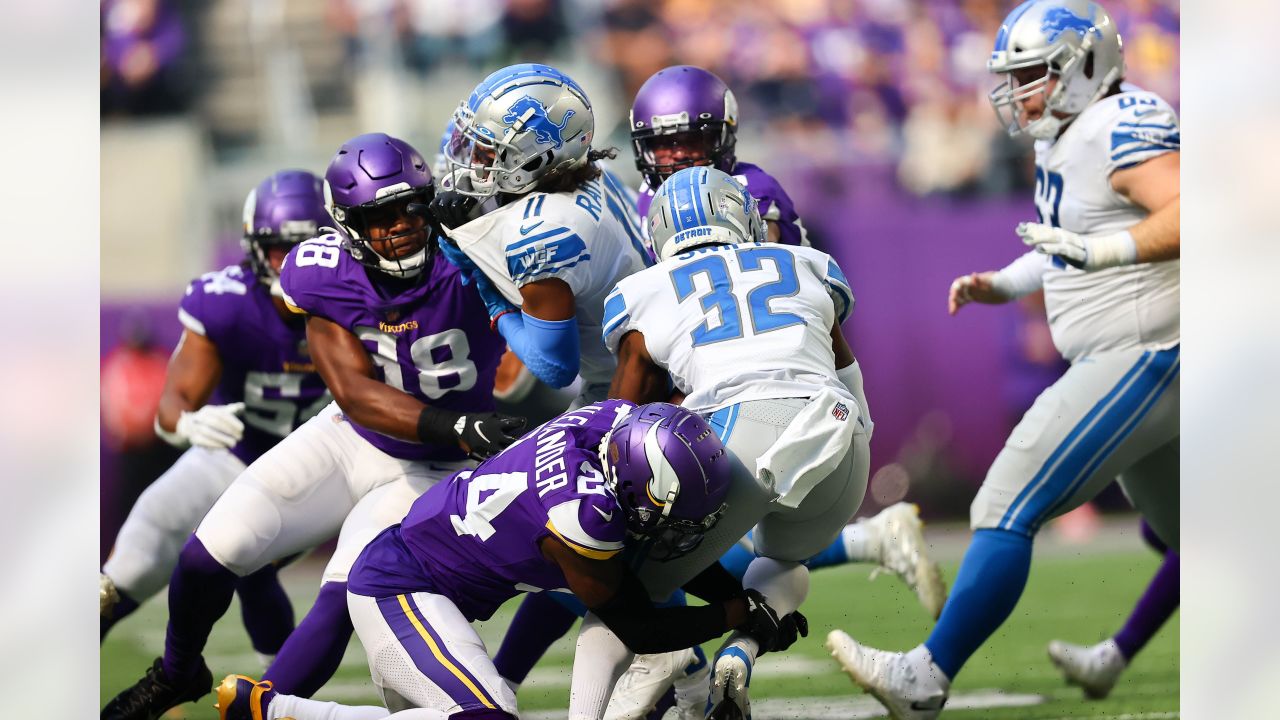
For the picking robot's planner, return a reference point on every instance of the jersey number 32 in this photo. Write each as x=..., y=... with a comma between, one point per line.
x=721, y=297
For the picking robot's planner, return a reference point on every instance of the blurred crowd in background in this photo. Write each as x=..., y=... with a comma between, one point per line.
x=874, y=114
x=879, y=81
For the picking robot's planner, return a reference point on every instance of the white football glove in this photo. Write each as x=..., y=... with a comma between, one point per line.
x=1086, y=252
x=212, y=426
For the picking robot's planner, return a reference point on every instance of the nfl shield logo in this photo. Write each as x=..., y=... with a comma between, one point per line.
x=840, y=412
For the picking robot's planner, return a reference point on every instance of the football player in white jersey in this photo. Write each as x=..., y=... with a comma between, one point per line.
x=554, y=233
x=1106, y=254
x=749, y=335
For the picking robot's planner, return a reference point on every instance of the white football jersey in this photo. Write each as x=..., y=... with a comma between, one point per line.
x=589, y=238
x=732, y=323
x=1123, y=307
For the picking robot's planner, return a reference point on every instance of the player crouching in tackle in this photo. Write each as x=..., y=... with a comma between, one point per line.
x=552, y=512
x=1106, y=253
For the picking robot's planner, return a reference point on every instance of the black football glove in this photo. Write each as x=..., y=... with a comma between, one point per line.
x=762, y=622
x=452, y=209
x=484, y=435
x=790, y=629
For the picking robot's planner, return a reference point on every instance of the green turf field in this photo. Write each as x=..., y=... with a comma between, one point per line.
x=1078, y=593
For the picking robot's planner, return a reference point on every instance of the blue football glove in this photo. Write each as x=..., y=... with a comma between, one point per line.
x=494, y=300
x=454, y=254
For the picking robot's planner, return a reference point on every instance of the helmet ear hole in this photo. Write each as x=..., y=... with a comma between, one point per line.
x=1088, y=65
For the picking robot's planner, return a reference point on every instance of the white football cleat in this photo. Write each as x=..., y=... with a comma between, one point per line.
x=107, y=595
x=730, y=683
x=904, y=553
x=1095, y=669
x=693, y=688
x=909, y=685
x=645, y=682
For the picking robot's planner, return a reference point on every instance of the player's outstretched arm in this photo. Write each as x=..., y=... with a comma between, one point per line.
x=544, y=333
x=183, y=418
x=1020, y=277
x=617, y=597
x=638, y=378
x=1154, y=185
x=348, y=371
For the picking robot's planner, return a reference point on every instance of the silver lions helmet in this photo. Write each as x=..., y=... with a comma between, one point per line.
x=519, y=124
x=702, y=206
x=1075, y=40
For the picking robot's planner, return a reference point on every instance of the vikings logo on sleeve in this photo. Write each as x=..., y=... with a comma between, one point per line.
x=529, y=114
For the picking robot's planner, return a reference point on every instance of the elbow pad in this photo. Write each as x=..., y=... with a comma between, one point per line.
x=549, y=348
x=851, y=376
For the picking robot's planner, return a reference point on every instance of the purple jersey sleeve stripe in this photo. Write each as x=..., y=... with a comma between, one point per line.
x=430, y=655
x=191, y=323
x=583, y=550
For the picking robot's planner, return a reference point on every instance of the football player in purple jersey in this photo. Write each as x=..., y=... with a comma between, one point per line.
x=684, y=116
x=240, y=380
x=408, y=354
x=553, y=512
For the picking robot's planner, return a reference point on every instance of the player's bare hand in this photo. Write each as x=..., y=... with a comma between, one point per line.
x=974, y=287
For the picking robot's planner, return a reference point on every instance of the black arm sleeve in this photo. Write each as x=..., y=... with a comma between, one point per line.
x=715, y=585
x=435, y=426
x=646, y=629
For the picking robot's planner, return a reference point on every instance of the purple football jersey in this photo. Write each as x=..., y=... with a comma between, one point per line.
x=265, y=363
x=474, y=537
x=775, y=203
x=429, y=338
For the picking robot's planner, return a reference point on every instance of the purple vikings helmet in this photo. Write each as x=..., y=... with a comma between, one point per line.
x=683, y=106
x=670, y=473
x=282, y=211
x=372, y=176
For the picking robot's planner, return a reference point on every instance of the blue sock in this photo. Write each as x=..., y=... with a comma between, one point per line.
x=834, y=554
x=991, y=578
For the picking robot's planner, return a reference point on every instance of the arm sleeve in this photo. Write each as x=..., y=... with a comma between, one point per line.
x=1023, y=276
x=1145, y=129
x=646, y=629
x=549, y=348
x=715, y=584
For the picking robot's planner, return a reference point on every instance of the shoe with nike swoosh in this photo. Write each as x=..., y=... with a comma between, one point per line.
x=909, y=685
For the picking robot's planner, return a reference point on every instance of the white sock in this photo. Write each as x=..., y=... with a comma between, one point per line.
x=290, y=706
x=264, y=659
x=860, y=543
x=928, y=672
x=599, y=660
x=784, y=584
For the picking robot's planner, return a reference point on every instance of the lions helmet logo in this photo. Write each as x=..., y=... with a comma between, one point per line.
x=1059, y=20
x=547, y=132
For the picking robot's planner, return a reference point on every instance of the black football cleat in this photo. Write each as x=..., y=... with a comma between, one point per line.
x=154, y=694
